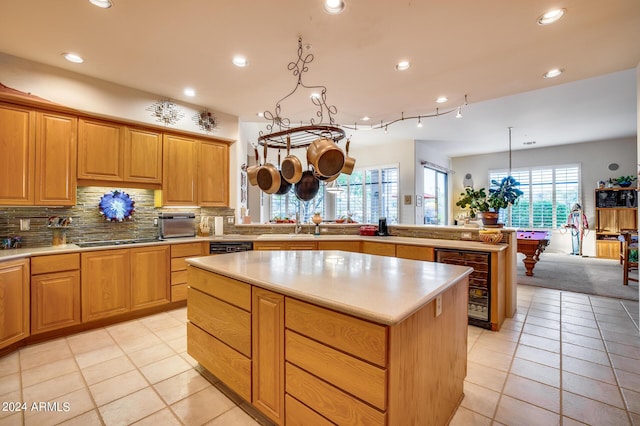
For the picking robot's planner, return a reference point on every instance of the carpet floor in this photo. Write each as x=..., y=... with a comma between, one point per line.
x=589, y=275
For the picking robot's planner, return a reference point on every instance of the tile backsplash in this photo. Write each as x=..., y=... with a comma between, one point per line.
x=88, y=224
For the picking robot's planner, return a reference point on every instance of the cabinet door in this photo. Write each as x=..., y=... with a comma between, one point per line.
x=150, y=276
x=213, y=174
x=17, y=162
x=105, y=284
x=142, y=156
x=56, y=153
x=381, y=249
x=353, y=246
x=100, y=147
x=268, y=353
x=406, y=251
x=55, y=301
x=180, y=160
x=14, y=301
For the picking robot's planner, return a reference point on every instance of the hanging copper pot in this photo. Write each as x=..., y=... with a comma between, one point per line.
x=307, y=187
x=326, y=157
x=291, y=167
x=268, y=176
x=284, y=185
x=252, y=171
x=349, y=162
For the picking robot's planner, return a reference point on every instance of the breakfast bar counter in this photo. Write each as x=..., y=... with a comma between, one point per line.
x=311, y=337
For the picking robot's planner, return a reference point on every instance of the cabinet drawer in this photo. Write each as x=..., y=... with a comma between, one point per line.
x=298, y=414
x=231, y=367
x=179, y=292
x=55, y=263
x=353, y=246
x=357, y=337
x=187, y=249
x=415, y=252
x=337, y=406
x=380, y=249
x=179, y=277
x=229, y=290
x=179, y=264
x=223, y=321
x=357, y=377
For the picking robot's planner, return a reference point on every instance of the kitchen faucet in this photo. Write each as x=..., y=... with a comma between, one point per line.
x=298, y=225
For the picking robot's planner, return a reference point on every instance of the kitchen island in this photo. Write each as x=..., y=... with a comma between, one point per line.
x=312, y=337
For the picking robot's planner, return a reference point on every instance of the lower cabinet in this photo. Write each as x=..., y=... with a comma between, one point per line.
x=150, y=284
x=55, y=292
x=179, y=252
x=381, y=249
x=14, y=301
x=406, y=251
x=285, y=245
x=106, y=284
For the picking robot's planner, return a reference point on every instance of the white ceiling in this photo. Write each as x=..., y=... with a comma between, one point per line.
x=491, y=50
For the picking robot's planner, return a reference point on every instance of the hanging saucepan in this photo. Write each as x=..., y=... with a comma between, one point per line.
x=252, y=171
x=291, y=167
x=307, y=187
x=284, y=185
x=349, y=162
x=268, y=176
x=326, y=157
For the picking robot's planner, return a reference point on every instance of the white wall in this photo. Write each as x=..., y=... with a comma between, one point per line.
x=593, y=157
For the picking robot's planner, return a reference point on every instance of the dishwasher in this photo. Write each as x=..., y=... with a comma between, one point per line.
x=222, y=247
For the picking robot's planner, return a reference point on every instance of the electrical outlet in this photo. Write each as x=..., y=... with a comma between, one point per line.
x=465, y=235
x=438, y=305
x=230, y=219
x=25, y=224
x=155, y=221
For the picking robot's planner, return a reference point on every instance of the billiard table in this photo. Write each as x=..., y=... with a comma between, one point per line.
x=532, y=244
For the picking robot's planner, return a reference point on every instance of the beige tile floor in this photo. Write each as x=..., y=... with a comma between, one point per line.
x=565, y=358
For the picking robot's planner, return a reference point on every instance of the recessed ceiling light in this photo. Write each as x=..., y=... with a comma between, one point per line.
x=105, y=4
x=553, y=73
x=365, y=118
x=72, y=57
x=403, y=65
x=260, y=114
x=189, y=91
x=240, y=61
x=333, y=7
x=551, y=16
x=442, y=99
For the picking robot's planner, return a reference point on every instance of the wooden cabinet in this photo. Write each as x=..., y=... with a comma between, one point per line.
x=100, y=150
x=56, y=152
x=406, y=251
x=353, y=246
x=105, y=283
x=17, y=162
x=213, y=174
x=285, y=245
x=14, y=301
x=267, y=317
x=55, y=292
x=111, y=152
x=616, y=210
x=381, y=249
x=150, y=284
x=38, y=165
x=180, y=171
x=179, y=252
x=142, y=156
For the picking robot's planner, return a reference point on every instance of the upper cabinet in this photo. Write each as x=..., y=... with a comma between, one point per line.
x=213, y=174
x=112, y=152
x=196, y=172
x=39, y=157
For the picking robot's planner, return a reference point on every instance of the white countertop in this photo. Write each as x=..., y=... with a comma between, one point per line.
x=382, y=289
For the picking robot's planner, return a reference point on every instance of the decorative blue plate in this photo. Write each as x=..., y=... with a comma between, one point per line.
x=116, y=206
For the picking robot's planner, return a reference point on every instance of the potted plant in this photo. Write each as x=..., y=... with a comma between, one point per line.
x=625, y=181
x=502, y=196
x=476, y=200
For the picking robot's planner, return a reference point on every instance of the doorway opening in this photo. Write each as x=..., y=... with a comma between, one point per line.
x=435, y=197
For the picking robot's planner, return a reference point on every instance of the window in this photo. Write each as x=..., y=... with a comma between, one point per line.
x=369, y=194
x=287, y=205
x=549, y=194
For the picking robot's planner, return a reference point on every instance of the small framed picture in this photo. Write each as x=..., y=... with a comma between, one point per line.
x=407, y=200
x=418, y=201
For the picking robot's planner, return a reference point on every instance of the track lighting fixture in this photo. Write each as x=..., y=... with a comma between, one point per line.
x=459, y=114
x=419, y=122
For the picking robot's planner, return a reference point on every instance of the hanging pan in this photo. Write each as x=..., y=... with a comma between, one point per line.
x=325, y=156
x=268, y=176
x=285, y=186
x=307, y=187
x=252, y=171
x=349, y=162
x=291, y=167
